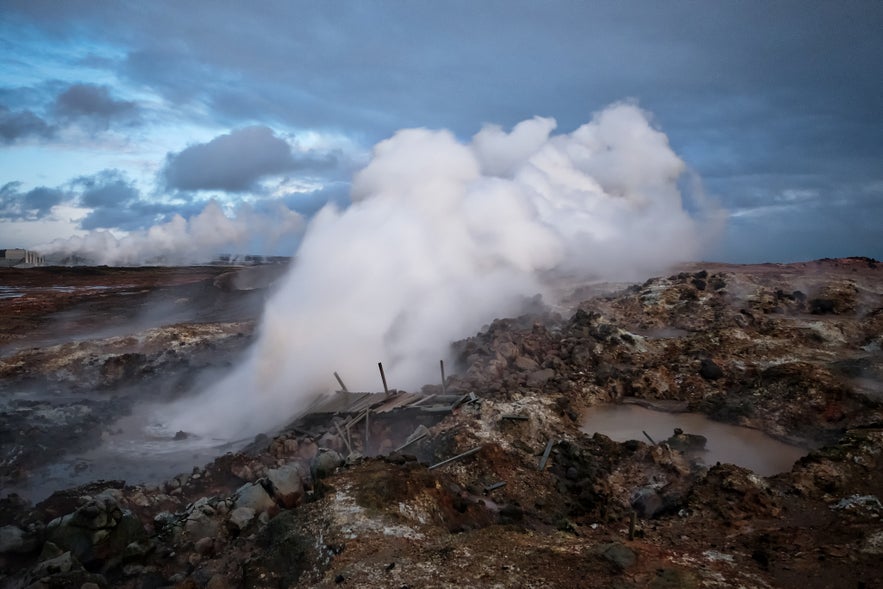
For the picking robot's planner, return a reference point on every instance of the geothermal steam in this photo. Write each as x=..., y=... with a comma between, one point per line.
x=441, y=238
x=185, y=241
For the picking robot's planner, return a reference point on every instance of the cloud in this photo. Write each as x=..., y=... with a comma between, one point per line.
x=22, y=124
x=93, y=105
x=234, y=162
x=31, y=205
x=441, y=237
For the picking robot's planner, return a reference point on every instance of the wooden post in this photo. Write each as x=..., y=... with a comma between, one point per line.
x=546, y=453
x=367, y=430
x=632, y=520
x=383, y=377
x=441, y=363
x=340, y=381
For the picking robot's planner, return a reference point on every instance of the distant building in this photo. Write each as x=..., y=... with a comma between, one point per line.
x=19, y=257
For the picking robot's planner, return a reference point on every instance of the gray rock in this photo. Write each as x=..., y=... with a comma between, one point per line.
x=199, y=526
x=526, y=364
x=241, y=517
x=14, y=540
x=254, y=496
x=287, y=484
x=325, y=463
x=620, y=555
x=540, y=377
x=60, y=564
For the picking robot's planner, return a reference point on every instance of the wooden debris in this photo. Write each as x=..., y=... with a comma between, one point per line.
x=340, y=382
x=457, y=457
x=441, y=363
x=417, y=435
x=515, y=417
x=383, y=377
x=648, y=437
x=344, y=437
x=546, y=453
x=494, y=486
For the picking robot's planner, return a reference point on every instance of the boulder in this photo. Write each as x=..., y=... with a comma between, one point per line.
x=709, y=370
x=286, y=483
x=526, y=364
x=240, y=518
x=540, y=377
x=254, y=496
x=325, y=463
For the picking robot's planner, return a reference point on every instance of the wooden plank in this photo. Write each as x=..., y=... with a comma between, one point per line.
x=457, y=457
x=494, y=486
x=441, y=363
x=546, y=453
x=340, y=381
x=383, y=377
x=515, y=417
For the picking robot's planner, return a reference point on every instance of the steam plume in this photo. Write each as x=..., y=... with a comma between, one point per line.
x=441, y=238
x=182, y=241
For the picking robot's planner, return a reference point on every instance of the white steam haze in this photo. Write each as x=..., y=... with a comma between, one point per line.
x=183, y=241
x=441, y=238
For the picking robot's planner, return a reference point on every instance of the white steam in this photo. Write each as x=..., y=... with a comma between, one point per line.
x=180, y=241
x=441, y=238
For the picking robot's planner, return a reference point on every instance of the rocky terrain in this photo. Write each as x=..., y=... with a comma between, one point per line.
x=493, y=480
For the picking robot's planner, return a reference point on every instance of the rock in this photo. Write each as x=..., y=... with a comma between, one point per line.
x=325, y=463
x=60, y=564
x=204, y=546
x=243, y=472
x=199, y=525
x=287, y=484
x=14, y=540
x=709, y=370
x=507, y=350
x=254, y=496
x=620, y=555
x=217, y=582
x=647, y=502
x=241, y=517
x=540, y=377
x=526, y=364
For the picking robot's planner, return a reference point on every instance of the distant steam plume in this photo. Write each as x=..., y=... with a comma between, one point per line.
x=441, y=238
x=198, y=239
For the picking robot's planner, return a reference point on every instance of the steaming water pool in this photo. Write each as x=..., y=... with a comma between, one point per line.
x=726, y=443
x=139, y=452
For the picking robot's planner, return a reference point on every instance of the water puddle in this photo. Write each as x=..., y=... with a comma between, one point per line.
x=138, y=453
x=726, y=443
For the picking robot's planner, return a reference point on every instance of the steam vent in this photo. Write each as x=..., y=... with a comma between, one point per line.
x=719, y=426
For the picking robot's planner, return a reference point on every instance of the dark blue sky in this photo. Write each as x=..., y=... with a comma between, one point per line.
x=118, y=115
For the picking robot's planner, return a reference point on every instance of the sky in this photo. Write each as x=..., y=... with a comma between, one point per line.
x=210, y=123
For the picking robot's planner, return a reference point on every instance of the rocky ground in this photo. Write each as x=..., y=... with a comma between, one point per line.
x=536, y=501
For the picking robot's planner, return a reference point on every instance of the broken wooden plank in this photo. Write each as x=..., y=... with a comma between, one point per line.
x=494, y=486
x=340, y=382
x=343, y=437
x=546, y=453
x=383, y=377
x=457, y=457
x=417, y=435
x=515, y=417
x=648, y=437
